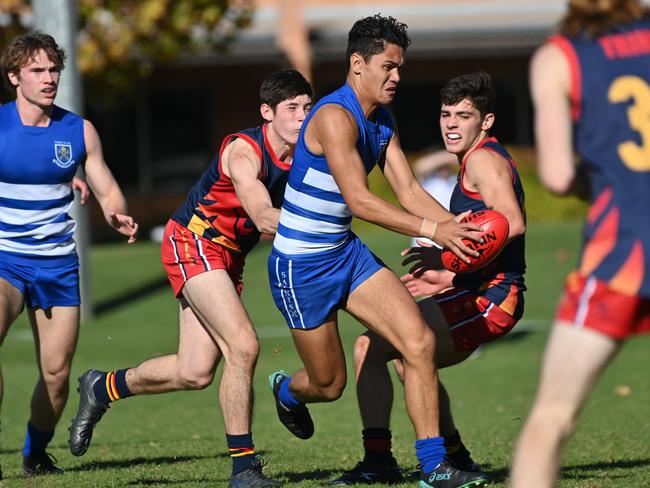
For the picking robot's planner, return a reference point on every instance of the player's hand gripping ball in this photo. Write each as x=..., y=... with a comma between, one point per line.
x=494, y=231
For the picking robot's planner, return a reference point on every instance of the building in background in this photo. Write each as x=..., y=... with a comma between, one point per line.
x=160, y=139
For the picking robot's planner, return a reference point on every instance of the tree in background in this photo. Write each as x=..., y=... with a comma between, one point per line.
x=121, y=40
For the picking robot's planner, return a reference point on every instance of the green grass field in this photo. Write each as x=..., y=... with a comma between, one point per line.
x=178, y=439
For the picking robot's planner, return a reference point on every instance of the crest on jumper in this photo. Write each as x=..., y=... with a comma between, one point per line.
x=63, y=154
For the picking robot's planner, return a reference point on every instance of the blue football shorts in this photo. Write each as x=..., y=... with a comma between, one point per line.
x=43, y=287
x=307, y=289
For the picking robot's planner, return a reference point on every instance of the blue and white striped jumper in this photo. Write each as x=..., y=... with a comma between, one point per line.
x=314, y=217
x=37, y=165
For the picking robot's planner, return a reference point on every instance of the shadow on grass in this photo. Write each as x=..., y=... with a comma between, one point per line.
x=158, y=482
x=577, y=472
x=131, y=295
x=316, y=475
x=581, y=471
x=138, y=461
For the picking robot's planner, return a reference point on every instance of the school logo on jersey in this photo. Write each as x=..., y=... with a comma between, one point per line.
x=63, y=154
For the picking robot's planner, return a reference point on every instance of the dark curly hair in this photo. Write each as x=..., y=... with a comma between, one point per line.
x=476, y=87
x=370, y=35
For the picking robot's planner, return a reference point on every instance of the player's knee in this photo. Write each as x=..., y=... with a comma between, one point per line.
x=244, y=353
x=417, y=350
x=195, y=379
x=555, y=417
x=56, y=373
x=332, y=390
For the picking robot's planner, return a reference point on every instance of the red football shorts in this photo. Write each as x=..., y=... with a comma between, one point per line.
x=589, y=302
x=473, y=320
x=185, y=254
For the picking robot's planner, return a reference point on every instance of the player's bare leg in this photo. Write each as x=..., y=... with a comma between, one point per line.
x=324, y=377
x=191, y=368
x=573, y=361
x=11, y=304
x=372, y=355
x=56, y=331
x=383, y=304
x=375, y=397
x=378, y=352
x=214, y=300
x=206, y=332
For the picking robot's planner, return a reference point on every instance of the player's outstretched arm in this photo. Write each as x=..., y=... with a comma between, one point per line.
x=104, y=186
x=490, y=175
x=408, y=190
x=243, y=165
x=413, y=198
x=550, y=81
x=333, y=131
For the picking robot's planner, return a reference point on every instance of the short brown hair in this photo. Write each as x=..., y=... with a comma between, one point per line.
x=596, y=17
x=22, y=49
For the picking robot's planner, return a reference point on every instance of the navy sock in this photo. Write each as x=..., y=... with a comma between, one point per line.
x=430, y=452
x=377, y=445
x=112, y=387
x=453, y=443
x=242, y=451
x=36, y=440
x=286, y=398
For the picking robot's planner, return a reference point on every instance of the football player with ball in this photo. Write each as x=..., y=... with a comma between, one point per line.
x=479, y=304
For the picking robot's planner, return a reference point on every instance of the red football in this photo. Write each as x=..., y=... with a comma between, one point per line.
x=494, y=233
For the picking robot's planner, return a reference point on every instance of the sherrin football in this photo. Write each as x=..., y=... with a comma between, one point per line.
x=494, y=232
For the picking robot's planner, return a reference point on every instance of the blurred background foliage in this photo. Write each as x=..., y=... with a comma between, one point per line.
x=120, y=41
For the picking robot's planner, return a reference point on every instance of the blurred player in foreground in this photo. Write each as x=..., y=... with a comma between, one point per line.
x=468, y=309
x=591, y=85
x=203, y=251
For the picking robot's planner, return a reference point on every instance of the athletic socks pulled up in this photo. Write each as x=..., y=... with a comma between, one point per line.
x=430, y=452
x=377, y=444
x=112, y=387
x=453, y=443
x=242, y=451
x=36, y=440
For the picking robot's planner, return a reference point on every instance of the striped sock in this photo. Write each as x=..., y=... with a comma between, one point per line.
x=112, y=387
x=242, y=451
x=377, y=445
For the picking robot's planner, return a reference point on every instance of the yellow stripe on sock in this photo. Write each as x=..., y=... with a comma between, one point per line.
x=239, y=452
x=114, y=386
x=108, y=386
